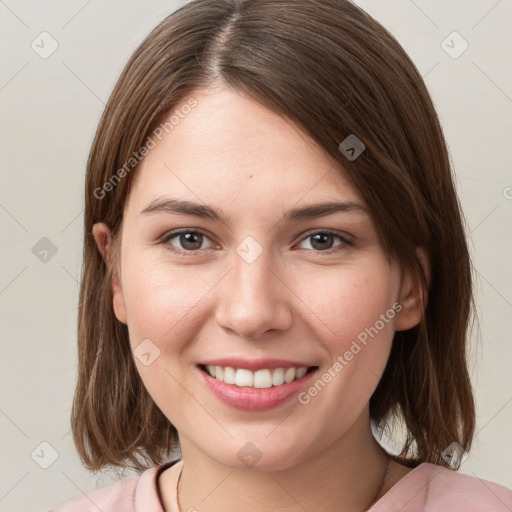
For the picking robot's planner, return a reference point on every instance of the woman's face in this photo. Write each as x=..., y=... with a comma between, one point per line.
x=266, y=282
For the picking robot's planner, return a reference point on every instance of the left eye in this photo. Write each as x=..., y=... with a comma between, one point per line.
x=322, y=241
x=191, y=241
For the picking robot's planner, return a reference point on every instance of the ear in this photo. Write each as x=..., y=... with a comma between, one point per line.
x=413, y=295
x=102, y=236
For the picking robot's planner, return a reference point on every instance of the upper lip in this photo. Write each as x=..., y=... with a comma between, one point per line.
x=255, y=364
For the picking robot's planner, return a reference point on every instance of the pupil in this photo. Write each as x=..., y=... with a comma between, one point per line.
x=188, y=238
x=319, y=237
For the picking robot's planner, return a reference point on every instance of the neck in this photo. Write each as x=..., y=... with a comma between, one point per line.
x=350, y=474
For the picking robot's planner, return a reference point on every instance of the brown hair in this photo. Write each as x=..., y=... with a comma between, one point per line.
x=333, y=70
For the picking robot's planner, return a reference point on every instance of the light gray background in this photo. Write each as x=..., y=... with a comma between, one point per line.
x=50, y=111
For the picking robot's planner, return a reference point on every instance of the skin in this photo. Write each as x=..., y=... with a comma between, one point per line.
x=232, y=153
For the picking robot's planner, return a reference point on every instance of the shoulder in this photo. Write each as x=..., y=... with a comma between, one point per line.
x=127, y=495
x=435, y=488
x=465, y=492
x=118, y=496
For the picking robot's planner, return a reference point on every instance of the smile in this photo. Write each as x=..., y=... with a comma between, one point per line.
x=258, y=390
x=264, y=378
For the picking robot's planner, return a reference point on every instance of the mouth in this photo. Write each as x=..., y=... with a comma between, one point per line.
x=256, y=391
x=260, y=379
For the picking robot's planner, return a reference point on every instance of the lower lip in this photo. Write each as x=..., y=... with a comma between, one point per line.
x=255, y=399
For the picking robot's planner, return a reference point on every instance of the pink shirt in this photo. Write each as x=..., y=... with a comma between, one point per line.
x=426, y=488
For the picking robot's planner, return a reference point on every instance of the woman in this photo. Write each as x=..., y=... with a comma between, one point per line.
x=240, y=138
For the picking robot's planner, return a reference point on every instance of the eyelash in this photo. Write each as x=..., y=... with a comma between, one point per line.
x=173, y=234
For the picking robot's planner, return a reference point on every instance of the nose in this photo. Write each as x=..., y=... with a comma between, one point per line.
x=254, y=299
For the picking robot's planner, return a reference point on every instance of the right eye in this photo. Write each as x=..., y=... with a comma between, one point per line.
x=189, y=240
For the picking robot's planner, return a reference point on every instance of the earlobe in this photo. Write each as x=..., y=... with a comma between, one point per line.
x=414, y=295
x=102, y=236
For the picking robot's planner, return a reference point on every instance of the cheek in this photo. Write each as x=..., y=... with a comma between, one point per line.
x=161, y=301
x=354, y=321
x=354, y=304
x=340, y=309
x=160, y=304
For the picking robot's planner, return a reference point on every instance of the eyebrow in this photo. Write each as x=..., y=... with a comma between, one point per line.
x=312, y=211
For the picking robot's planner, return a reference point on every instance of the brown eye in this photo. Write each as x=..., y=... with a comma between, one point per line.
x=322, y=241
x=186, y=241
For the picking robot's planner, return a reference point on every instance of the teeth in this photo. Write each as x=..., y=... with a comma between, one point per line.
x=220, y=372
x=243, y=377
x=278, y=377
x=229, y=375
x=262, y=379
x=259, y=379
x=289, y=375
x=300, y=372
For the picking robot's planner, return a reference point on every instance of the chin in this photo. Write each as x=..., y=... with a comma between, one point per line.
x=260, y=456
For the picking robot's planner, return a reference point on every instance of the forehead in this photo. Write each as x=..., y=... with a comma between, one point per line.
x=230, y=150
